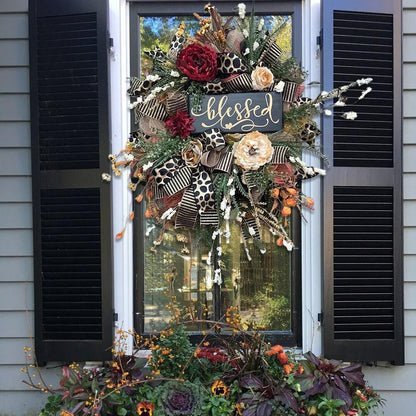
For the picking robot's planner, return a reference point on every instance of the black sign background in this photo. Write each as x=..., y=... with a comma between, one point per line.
x=239, y=112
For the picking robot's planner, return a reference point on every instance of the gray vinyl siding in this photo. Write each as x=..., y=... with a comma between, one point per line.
x=398, y=384
x=16, y=250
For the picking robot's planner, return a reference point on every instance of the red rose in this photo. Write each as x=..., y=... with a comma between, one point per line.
x=180, y=124
x=198, y=63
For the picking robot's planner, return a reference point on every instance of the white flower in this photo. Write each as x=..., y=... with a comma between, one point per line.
x=129, y=157
x=327, y=112
x=344, y=88
x=365, y=92
x=340, y=103
x=215, y=233
x=262, y=250
x=217, y=276
x=156, y=90
x=255, y=45
x=246, y=52
x=149, y=230
x=292, y=159
x=230, y=181
x=147, y=166
x=261, y=24
x=363, y=81
x=150, y=97
x=324, y=94
x=174, y=74
x=219, y=250
x=251, y=231
x=279, y=87
x=232, y=191
x=350, y=115
x=223, y=204
x=136, y=103
x=252, y=62
x=227, y=235
x=153, y=78
x=168, y=214
x=106, y=177
x=241, y=10
x=227, y=212
x=245, y=34
x=289, y=246
x=209, y=258
x=320, y=171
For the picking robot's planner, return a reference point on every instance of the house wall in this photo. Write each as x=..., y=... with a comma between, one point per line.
x=398, y=384
x=16, y=251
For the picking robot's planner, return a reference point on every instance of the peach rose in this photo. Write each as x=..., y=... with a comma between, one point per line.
x=262, y=78
x=253, y=150
x=192, y=153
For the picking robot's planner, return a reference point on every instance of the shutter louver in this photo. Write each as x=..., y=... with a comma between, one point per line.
x=363, y=47
x=70, y=144
x=363, y=307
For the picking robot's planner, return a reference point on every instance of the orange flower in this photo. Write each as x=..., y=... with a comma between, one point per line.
x=66, y=413
x=309, y=202
x=300, y=369
x=219, y=388
x=148, y=213
x=361, y=396
x=275, y=193
x=292, y=191
x=286, y=211
x=239, y=408
x=145, y=409
x=283, y=358
x=290, y=202
x=276, y=349
x=139, y=198
x=279, y=241
x=287, y=369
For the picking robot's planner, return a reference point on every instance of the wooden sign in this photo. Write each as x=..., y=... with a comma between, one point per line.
x=239, y=112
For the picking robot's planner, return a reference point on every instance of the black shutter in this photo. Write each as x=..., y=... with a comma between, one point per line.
x=71, y=204
x=363, y=283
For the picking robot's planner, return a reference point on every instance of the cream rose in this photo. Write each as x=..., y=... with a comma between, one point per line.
x=253, y=150
x=262, y=78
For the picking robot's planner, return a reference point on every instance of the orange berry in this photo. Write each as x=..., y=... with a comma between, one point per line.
x=286, y=211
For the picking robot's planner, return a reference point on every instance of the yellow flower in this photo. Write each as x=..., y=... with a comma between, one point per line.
x=145, y=409
x=219, y=388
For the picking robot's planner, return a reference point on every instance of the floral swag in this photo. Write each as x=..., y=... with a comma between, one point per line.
x=244, y=167
x=235, y=168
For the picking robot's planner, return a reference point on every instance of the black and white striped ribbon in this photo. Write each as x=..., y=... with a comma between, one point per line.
x=279, y=154
x=225, y=163
x=238, y=83
x=176, y=102
x=187, y=210
x=289, y=91
x=209, y=217
x=179, y=181
x=250, y=223
x=153, y=109
x=271, y=53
